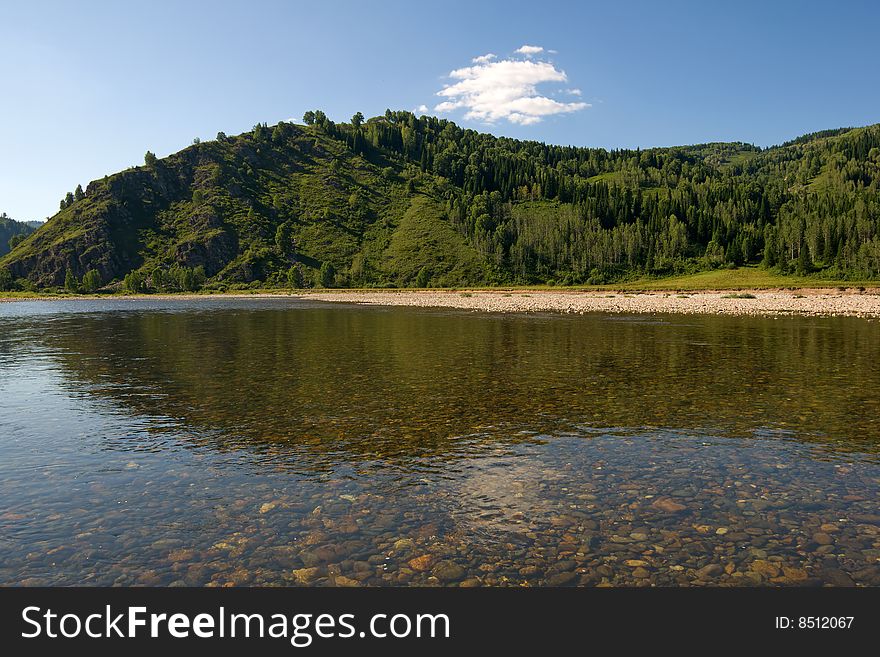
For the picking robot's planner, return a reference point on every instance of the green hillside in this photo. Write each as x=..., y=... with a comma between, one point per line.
x=14, y=231
x=404, y=201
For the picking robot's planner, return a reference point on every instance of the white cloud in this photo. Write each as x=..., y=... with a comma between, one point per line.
x=505, y=90
x=574, y=92
x=483, y=59
x=528, y=51
x=421, y=109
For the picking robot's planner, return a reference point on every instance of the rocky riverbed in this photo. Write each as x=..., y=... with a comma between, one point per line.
x=680, y=514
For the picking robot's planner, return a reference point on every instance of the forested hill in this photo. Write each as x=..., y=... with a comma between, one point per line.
x=12, y=232
x=404, y=201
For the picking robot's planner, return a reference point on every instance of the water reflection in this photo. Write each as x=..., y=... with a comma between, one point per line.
x=283, y=442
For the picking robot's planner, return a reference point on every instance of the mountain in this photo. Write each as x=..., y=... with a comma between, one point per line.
x=9, y=229
x=403, y=201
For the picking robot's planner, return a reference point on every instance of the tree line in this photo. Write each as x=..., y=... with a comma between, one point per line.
x=811, y=205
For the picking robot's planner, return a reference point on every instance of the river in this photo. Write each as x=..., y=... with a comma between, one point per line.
x=290, y=442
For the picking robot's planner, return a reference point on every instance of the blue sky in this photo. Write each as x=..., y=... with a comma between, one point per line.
x=86, y=88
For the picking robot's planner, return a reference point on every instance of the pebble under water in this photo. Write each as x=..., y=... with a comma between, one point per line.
x=221, y=442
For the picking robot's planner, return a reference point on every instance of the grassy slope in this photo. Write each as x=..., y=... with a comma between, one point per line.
x=742, y=278
x=421, y=240
x=246, y=190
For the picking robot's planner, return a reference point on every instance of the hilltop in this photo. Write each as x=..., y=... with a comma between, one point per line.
x=403, y=201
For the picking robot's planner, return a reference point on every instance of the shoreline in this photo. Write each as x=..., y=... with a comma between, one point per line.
x=804, y=302
x=816, y=302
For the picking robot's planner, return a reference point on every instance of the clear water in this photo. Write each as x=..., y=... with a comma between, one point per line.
x=284, y=442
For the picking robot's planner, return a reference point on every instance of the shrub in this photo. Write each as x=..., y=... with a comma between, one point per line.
x=15, y=240
x=295, y=277
x=134, y=282
x=91, y=282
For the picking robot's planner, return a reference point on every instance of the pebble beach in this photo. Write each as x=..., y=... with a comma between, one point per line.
x=817, y=302
x=810, y=302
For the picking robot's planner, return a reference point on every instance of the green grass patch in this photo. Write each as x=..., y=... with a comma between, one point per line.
x=742, y=278
x=425, y=239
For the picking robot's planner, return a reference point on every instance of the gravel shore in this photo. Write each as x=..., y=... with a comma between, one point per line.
x=814, y=302
x=817, y=302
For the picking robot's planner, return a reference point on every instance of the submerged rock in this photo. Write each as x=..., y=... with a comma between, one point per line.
x=668, y=505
